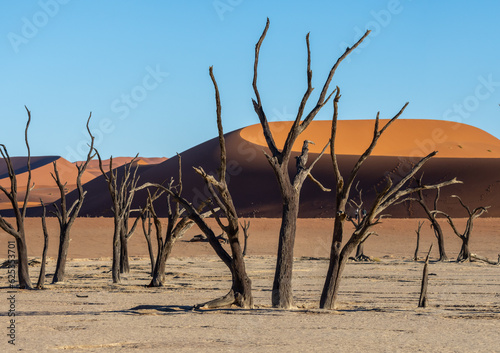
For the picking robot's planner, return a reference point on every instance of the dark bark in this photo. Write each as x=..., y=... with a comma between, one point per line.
x=147, y=234
x=464, y=250
x=124, y=261
x=360, y=251
x=23, y=267
x=115, y=266
x=62, y=255
x=282, y=295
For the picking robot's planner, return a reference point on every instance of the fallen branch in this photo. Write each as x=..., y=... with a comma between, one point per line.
x=475, y=257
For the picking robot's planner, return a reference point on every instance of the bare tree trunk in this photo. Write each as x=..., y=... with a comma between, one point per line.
x=161, y=261
x=431, y=215
x=147, y=235
x=242, y=285
x=335, y=267
x=124, y=260
x=440, y=240
x=422, y=302
x=359, y=251
x=62, y=254
x=464, y=254
x=282, y=294
x=41, y=276
x=115, y=267
x=23, y=267
x=246, y=234
x=415, y=255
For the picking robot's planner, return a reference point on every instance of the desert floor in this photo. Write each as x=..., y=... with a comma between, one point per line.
x=377, y=305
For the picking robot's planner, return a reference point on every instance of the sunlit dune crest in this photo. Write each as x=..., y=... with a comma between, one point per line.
x=405, y=137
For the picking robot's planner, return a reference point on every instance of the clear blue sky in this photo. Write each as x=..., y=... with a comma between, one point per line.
x=141, y=67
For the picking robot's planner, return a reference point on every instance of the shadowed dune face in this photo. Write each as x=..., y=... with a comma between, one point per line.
x=411, y=138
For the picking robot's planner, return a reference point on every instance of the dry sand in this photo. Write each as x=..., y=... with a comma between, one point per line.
x=377, y=302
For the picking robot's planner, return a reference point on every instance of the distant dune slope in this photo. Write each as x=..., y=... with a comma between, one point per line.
x=465, y=152
x=45, y=186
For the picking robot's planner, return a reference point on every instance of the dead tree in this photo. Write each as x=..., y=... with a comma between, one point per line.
x=422, y=302
x=357, y=221
x=246, y=234
x=240, y=293
x=415, y=255
x=41, y=276
x=465, y=254
x=65, y=216
x=147, y=227
x=18, y=231
x=122, y=191
x=431, y=215
x=390, y=195
x=177, y=225
x=279, y=159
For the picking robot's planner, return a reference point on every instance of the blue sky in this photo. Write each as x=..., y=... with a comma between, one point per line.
x=141, y=67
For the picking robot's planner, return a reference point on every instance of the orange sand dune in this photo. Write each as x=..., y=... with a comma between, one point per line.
x=405, y=137
x=45, y=186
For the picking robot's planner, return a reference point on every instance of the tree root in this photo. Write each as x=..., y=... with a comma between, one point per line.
x=226, y=301
x=361, y=258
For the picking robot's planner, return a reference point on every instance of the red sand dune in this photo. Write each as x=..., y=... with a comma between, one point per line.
x=254, y=188
x=45, y=186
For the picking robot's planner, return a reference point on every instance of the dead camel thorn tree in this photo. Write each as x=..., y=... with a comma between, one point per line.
x=392, y=194
x=18, y=231
x=357, y=221
x=419, y=228
x=122, y=191
x=240, y=293
x=41, y=276
x=178, y=223
x=279, y=159
x=65, y=216
x=431, y=215
x=465, y=254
